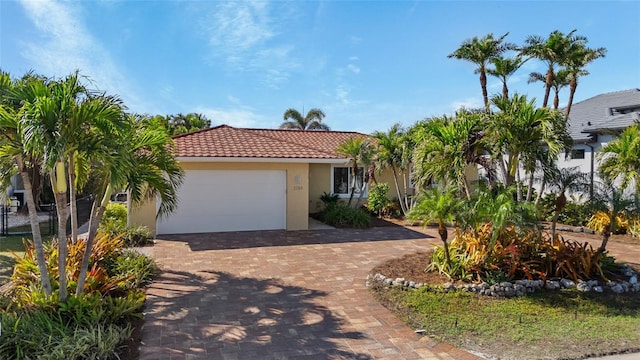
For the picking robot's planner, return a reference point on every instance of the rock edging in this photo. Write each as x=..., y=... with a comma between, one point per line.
x=518, y=288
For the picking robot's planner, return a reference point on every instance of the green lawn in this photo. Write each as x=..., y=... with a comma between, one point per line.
x=544, y=325
x=7, y=260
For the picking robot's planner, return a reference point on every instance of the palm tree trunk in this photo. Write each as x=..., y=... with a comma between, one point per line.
x=561, y=201
x=505, y=89
x=97, y=211
x=556, y=99
x=548, y=84
x=63, y=214
x=395, y=180
x=530, y=188
x=59, y=185
x=35, y=227
x=354, y=174
x=539, y=197
x=442, y=231
x=518, y=185
x=605, y=239
x=73, y=206
x=483, y=84
x=465, y=186
x=572, y=90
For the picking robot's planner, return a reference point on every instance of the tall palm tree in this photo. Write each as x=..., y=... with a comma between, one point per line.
x=519, y=129
x=481, y=51
x=620, y=158
x=561, y=80
x=393, y=152
x=12, y=151
x=141, y=161
x=577, y=59
x=440, y=207
x=563, y=180
x=293, y=119
x=503, y=69
x=553, y=51
x=52, y=125
x=355, y=148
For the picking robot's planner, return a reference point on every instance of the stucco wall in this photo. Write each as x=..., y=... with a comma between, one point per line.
x=319, y=182
x=143, y=214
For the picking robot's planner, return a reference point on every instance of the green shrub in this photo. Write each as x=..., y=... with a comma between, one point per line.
x=341, y=215
x=44, y=334
x=138, y=268
x=114, y=220
x=575, y=212
x=329, y=200
x=137, y=236
x=378, y=198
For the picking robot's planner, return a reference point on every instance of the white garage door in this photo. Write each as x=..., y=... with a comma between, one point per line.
x=216, y=200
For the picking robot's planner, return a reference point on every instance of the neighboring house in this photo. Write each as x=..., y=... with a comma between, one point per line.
x=596, y=121
x=254, y=179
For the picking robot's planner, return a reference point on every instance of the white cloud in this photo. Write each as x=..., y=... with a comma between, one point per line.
x=67, y=45
x=353, y=58
x=468, y=103
x=244, y=34
x=233, y=117
x=354, y=69
x=239, y=27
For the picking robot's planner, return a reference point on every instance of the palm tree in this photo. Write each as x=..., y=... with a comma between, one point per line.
x=563, y=180
x=441, y=153
x=481, y=51
x=440, y=207
x=552, y=51
x=577, y=59
x=355, y=148
x=12, y=151
x=52, y=125
x=312, y=121
x=140, y=161
x=503, y=68
x=519, y=129
x=561, y=80
x=366, y=160
x=393, y=152
x=616, y=203
x=620, y=158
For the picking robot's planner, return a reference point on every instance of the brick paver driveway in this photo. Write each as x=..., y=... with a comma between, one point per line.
x=279, y=295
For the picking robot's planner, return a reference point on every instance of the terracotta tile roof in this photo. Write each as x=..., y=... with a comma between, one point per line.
x=227, y=141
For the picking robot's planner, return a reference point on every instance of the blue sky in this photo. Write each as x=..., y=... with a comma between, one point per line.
x=366, y=64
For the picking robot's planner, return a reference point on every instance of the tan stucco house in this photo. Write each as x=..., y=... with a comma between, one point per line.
x=239, y=179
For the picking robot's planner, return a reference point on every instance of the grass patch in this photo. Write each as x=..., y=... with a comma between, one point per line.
x=7, y=260
x=544, y=325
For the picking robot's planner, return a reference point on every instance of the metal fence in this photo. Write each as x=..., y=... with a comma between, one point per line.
x=6, y=213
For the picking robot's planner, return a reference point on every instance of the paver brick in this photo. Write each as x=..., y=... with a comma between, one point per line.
x=279, y=295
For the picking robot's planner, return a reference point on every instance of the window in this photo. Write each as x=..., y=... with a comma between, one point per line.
x=342, y=181
x=577, y=154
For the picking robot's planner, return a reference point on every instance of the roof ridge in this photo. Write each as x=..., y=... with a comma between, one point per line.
x=202, y=130
x=608, y=93
x=305, y=131
x=248, y=130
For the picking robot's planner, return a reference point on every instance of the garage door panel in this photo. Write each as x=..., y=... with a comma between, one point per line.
x=212, y=200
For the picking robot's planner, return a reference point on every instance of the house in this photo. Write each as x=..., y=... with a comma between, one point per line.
x=239, y=179
x=596, y=121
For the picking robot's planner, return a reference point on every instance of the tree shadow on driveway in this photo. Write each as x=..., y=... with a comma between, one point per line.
x=268, y=238
x=215, y=315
